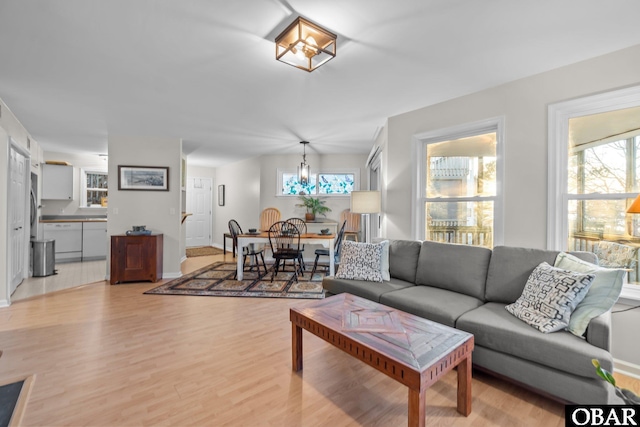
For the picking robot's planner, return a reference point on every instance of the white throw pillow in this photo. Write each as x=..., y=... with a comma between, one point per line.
x=360, y=261
x=549, y=297
x=602, y=295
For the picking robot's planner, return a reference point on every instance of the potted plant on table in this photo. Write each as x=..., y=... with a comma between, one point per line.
x=314, y=206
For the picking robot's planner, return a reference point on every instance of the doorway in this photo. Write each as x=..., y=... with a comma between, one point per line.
x=18, y=192
x=198, y=224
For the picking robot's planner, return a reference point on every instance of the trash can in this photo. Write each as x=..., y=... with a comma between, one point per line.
x=44, y=257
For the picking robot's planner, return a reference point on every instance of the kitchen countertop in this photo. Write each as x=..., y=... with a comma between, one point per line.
x=72, y=218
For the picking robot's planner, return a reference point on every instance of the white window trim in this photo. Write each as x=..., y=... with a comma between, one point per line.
x=83, y=186
x=419, y=147
x=559, y=115
x=355, y=172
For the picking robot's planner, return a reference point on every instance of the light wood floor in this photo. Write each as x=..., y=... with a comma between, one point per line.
x=110, y=356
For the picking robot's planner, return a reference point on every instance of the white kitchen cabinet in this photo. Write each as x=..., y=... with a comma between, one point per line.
x=57, y=182
x=94, y=240
x=68, y=237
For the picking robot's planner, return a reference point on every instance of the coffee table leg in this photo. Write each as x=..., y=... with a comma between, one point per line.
x=464, y=386
x=296, y=347
x=416, y=408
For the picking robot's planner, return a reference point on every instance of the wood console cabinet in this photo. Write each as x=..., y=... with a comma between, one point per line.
x=136, y=258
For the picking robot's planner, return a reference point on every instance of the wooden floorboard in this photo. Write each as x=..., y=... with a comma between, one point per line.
x=111, y=356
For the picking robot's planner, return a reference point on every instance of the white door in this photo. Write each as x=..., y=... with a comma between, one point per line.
x=17, y=218
x=199, y=205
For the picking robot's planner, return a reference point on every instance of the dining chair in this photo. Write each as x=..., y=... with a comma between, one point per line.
x=247, y=251
x=285, y=244
x=337, y=245
x=301, y=226
x=268, y=217
x=353, y=224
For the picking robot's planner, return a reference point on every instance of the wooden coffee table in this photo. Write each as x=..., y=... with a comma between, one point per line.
x=414, y=351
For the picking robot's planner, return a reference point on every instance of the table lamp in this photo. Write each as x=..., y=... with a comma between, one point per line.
x=366, y=203
x=633, y=209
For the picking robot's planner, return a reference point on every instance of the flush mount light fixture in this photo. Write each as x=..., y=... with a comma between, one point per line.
x=305, y=45
x=303, y=169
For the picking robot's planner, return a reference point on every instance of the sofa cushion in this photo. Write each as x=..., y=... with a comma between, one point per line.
x=360, y=261
x=403, y=259
x=603, y=293
x=509, y=270
x=510, y=267
x=459, y=268
x=439, y=305
x=493, y=327
x=550, y=296
x=364, y=289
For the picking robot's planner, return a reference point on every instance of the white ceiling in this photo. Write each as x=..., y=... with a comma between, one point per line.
x=75, y=71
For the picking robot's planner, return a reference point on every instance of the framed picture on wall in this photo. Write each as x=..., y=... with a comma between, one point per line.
x=220, y=195
x=148, y=178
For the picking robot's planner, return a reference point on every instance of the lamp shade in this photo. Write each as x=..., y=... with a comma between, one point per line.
x=365, y=202
x=635, y=206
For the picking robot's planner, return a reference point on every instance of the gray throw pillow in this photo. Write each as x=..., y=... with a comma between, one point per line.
x=360, y=261
x=549, y=297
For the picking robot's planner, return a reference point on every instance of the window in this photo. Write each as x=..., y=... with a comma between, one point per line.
x=334, y=183
x=94, y=188
x=594, y=171
x=457, y=193
x=602, y=182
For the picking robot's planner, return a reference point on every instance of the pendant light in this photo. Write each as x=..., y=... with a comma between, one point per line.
x=303, y=169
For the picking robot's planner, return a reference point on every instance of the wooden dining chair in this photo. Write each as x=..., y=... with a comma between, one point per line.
x=301, y=226
x=353, y=224
x=268, y=217
x=247, y=251
x=285, y=244
x=325, y=252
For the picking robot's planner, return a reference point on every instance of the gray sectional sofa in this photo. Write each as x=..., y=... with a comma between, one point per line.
x=468, y=288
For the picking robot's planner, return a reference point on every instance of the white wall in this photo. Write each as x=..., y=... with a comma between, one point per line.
x=251, y=187
x=523, y=103
x=326, y=163
x=160, y=211
x=242, y=197
x=72, y=207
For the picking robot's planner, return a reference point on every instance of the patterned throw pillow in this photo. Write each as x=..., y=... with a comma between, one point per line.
x=360, y=261
x=549, y=297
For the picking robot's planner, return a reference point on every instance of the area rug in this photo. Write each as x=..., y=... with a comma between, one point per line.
x=203, y=251
x=218, y=280
x=14, y=395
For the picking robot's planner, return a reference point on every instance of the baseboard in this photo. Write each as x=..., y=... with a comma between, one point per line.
x=171, y=275
x=4, y=303
x=626, y=368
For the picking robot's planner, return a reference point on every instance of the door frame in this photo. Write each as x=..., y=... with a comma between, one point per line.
x=375, y=183
x=13, y=145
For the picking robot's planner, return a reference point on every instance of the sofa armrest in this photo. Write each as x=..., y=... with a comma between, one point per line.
x=599, y=331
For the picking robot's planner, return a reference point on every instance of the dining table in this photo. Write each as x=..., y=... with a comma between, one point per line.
x=262, y=237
